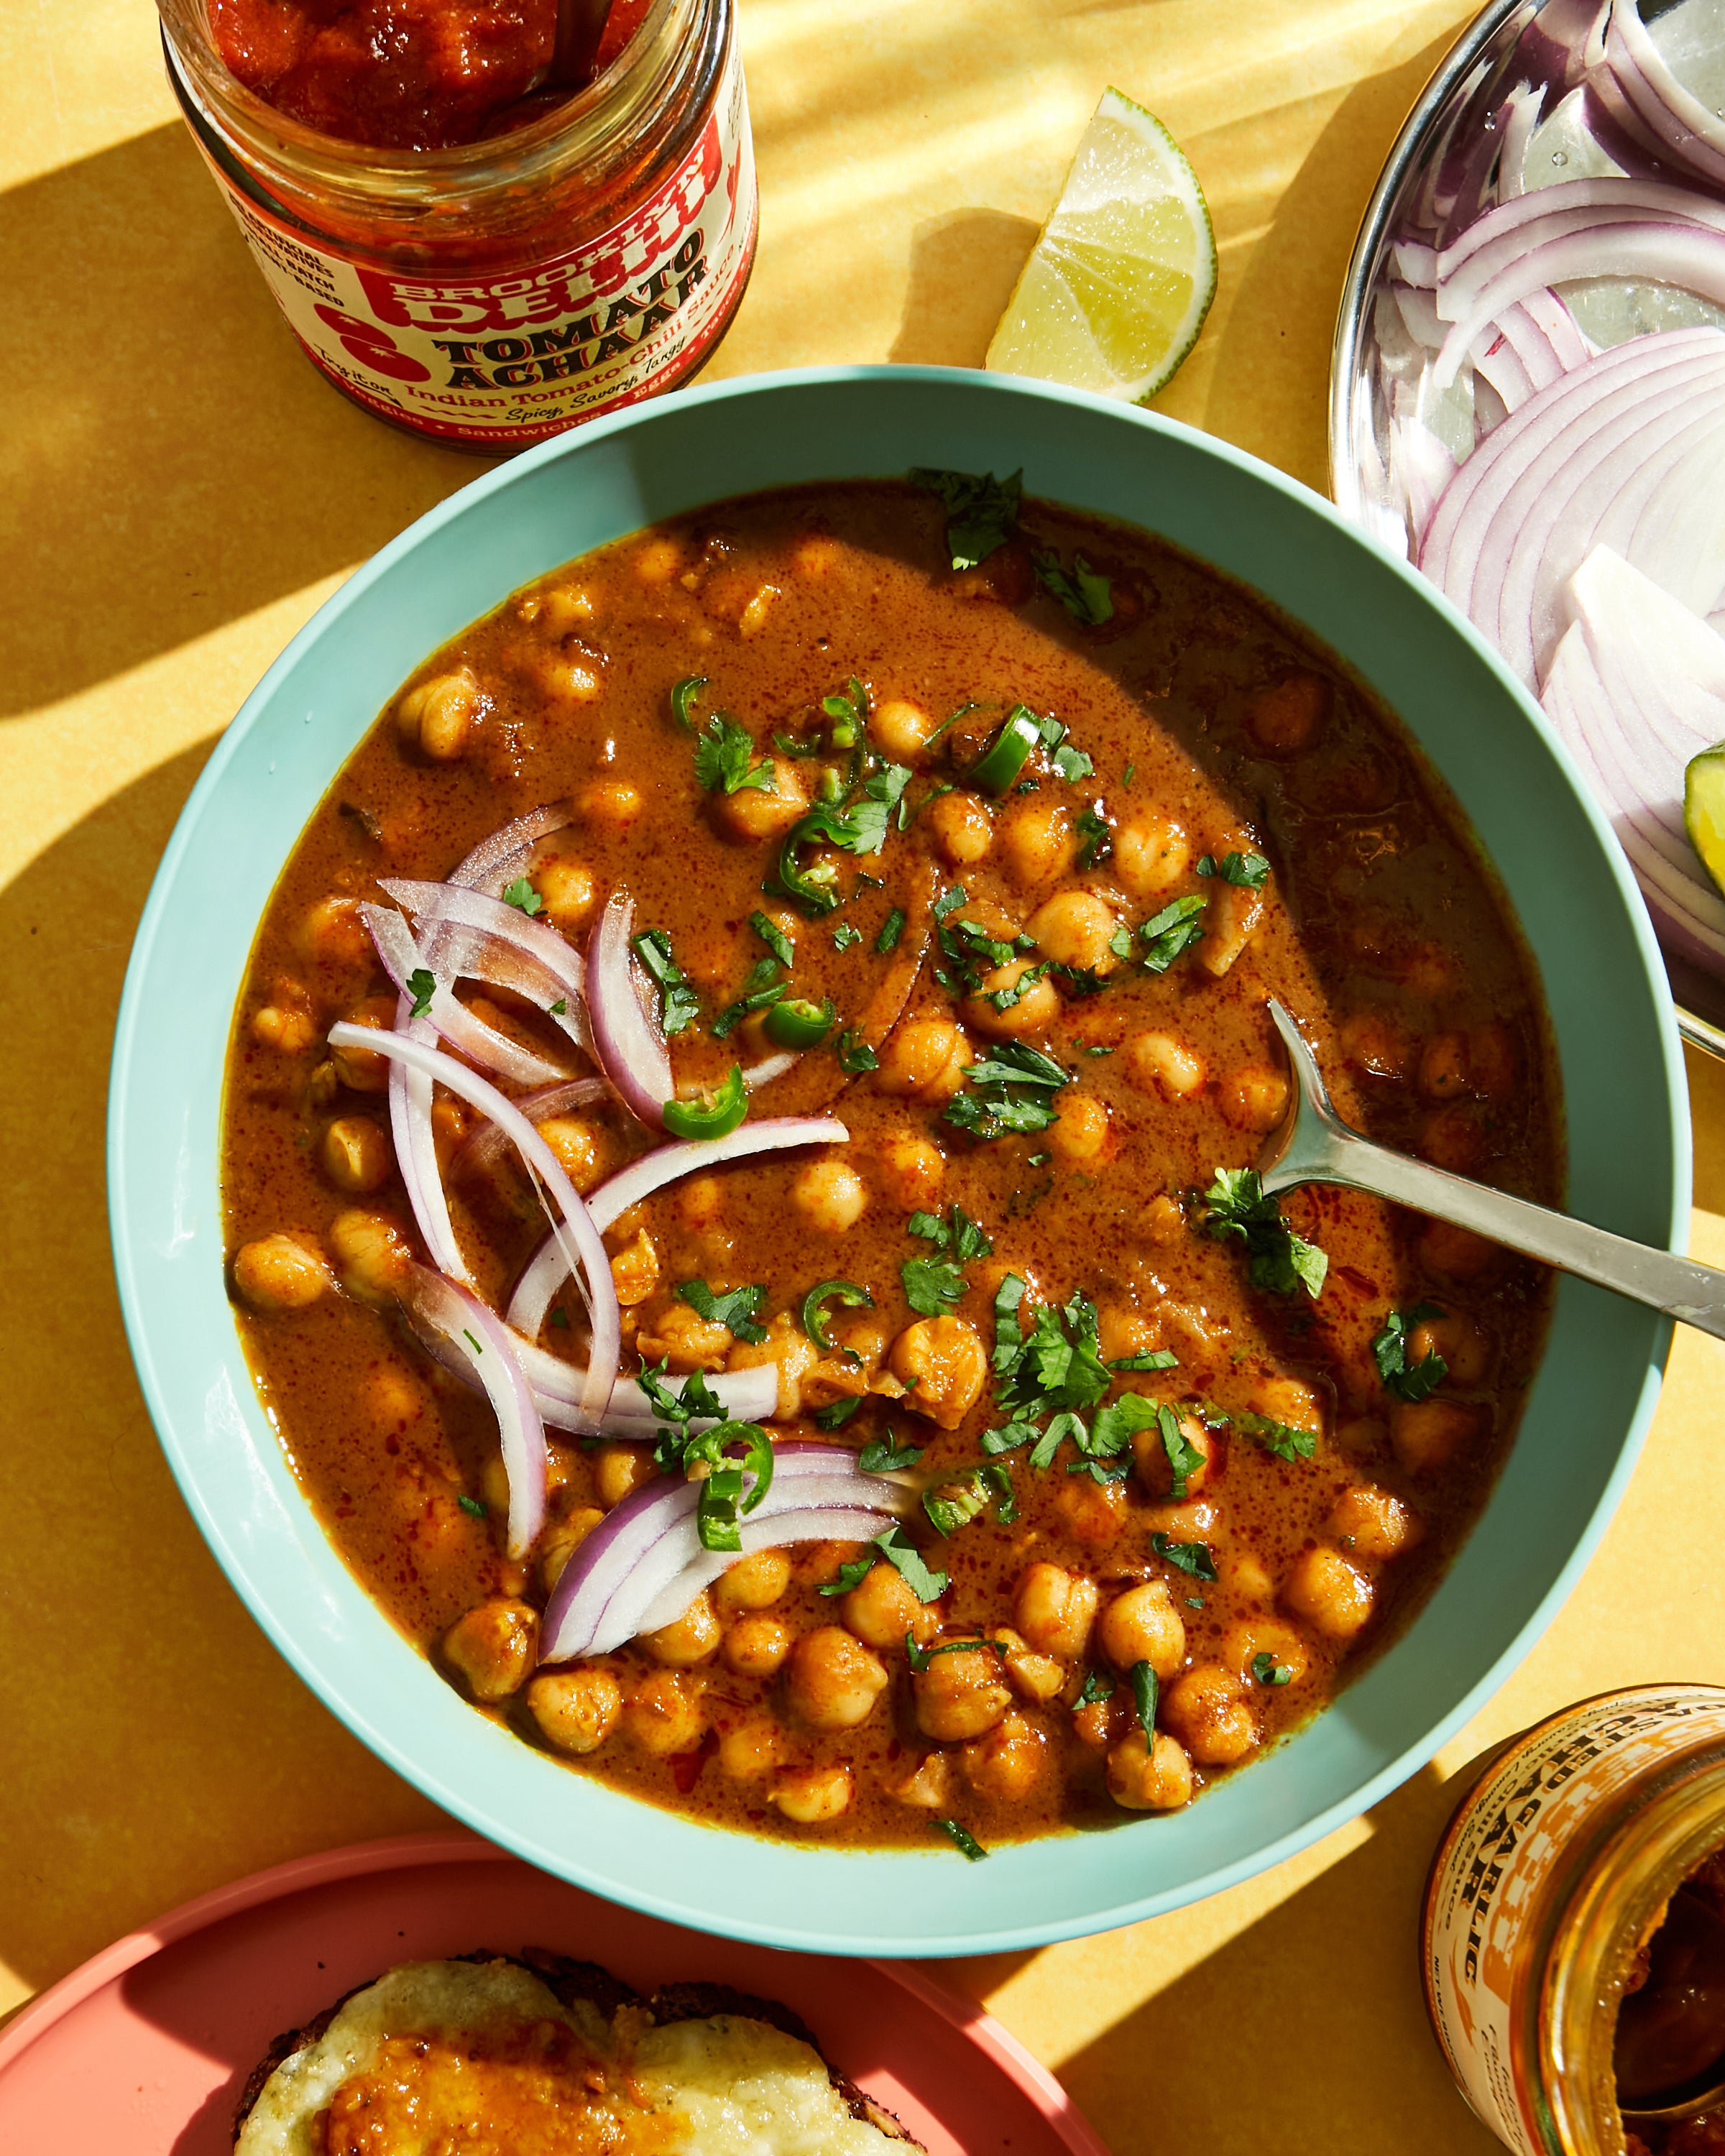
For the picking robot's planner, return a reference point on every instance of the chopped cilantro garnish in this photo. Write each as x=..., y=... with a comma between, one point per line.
x=1173, y=930
x=844, y=936
x=471, y=1342
x=1286, y=1439
x=560, y=1007
x=774, y=937
x=1131, y=774
x=423, y=986
x=522, y=894
x=760, y=989
x=1143, y=1680
x=1268, y=1670
x=478, y=1509
x=1096, y=1687
x=851, y=1575
x=962, y=1838
x=1236, y=1206
x=837, y=1412
x=735, y=1310
x=1152, y=1358
x=724, y=758
x=908, y=1561
x=855, y=1052
x=959, y=1233
x=1086, y=595
x=1009, y=1091
x=885, y=1455
x=1186, y=1557
x=891, y=931
x=1408, y=1381
x=1097, y=840
x=1247, y=870
x=682, y=696
x=679, y=1003
x=932, y=1286
x=981, y=511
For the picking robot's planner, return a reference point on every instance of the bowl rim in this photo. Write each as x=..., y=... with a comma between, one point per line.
x=807, y=1934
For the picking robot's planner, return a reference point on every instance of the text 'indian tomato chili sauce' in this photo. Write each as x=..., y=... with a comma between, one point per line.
x=878, y=949
x=460, y=246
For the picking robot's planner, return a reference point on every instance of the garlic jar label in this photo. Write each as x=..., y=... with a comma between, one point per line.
x=1499, y=1849
x=498, y=361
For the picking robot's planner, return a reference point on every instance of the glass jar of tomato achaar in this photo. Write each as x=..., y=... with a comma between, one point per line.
x=1574, y=1937
x=546, y=257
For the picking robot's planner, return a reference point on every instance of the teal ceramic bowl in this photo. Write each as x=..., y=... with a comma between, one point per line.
x=1621, y=1072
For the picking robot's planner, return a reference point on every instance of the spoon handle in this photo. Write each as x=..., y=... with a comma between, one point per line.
x=1332, y=1154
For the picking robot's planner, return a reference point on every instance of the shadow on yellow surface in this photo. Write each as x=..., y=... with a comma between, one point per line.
x=170, y=462
x=963, y=269
x=154, y=1745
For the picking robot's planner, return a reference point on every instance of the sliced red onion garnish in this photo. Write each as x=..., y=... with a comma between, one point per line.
x=478, y=1337
x=831, y=1522
x=548, y=1270
x=494, y=861
x=763, y=1073
x=586, y=1245
x=745, y=1395
x=639, y=1551
x=499, y=944
x=444, y=1013
x=416, y=1151
x=629, y=1047
x=487, y=1144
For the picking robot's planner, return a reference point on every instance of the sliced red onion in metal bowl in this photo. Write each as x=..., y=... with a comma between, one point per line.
x=583, y=1245
x=444, y=1013
x=629, y=1046
x=547, y=1270
x=1673, y=120
x=477, y=1338
x=628, y=1565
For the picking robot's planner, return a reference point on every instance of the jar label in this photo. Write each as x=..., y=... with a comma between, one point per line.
x=1501, y=1846
x=501, y=361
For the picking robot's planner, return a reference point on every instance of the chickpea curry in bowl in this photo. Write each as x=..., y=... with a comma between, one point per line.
x=736, y=1167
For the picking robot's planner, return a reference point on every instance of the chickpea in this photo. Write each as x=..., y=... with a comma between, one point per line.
x=634, y=1270
x=963, y=829
x=1288, y=1400
x=1452, y=1138
x=1122, y=1331
x=665, y=1713
x=814, y=1796
x=688, y=1640
x=1330, y=1593
x=334, y=933
x=561, y=1540
x=1146, y=1777
x=1228, y=924
x=576, y=1710
x=1242, y=1644
x=1370, y=1523
x=280, y=1272
x=899, y=729
x=754, y=617
x=1456, y=1253
x=1157, y=1062
x=493, y=1648
x=816, y=554
x=1008, y=1762
x=568, y=891
x=945, y=1357
x=1142, y=1625
x=699, y=1201
x=924, y=1058
x=754, y=1582
x=1100, y=1723
x=355, y=1155
x=437, y=716
x=757, y=814
x=1080, y=1138
x=494, y=1487
x=1443, y=1067
x=361, y=1069
x=620, y=1469
x=1254, y=1097
x=612, y=802
x=1163, y=1223
x=790, y=1351
x=1038, y=841
x=558, y=608
x=1245, y=1571
x=1151, y=854
x=830, y=1197
x=1035, y=1011
x=1286, y=719
x=1458, y=1340
x=690, y=1340
x=1038, y=1678
x=372, y=1255
x=960, y=1695
x=832, y=1680
x=1376, y=1046
x=930, y=1784
x=913, y=1169
x=1427, y=1435
x=1055, y=1609
x=582, y=1149
x=658, y=560
x=749, y=1749
x=1209, y=1712
x=756, y=1645
x=1092, y=1512
x=1074, y=928
x=571, y=670
x=288, y=1030
x=882, y=1607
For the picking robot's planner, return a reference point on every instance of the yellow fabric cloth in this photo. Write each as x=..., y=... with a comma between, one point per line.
x=180, y=491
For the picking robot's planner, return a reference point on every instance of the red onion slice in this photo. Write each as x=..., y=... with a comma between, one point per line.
x=487, y=1145
x=1525, y=102
x=416, y=1153
x=1679, y=121
x=630, y=1048
x=745, y=1395
x=478, y=1337
x=636, y=1553
x=1510, y=229
x=501, y=945
x=830, y=1523
x=763, y=1073
x=494, y=860
x=547, y=1268
x=593, y=1268
x=445, y=1014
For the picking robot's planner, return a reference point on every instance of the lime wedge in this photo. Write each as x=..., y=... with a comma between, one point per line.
x=1118, y=284
x=1704, y=808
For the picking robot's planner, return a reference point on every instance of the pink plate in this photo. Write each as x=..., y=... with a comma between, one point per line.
x=143, y=2051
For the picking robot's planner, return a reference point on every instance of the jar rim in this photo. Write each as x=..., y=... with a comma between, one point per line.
x=580, y=128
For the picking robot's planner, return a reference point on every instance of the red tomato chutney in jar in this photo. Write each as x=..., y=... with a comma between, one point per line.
x=460, y=249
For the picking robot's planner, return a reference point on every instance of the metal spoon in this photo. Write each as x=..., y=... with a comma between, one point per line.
x=1314, y=1145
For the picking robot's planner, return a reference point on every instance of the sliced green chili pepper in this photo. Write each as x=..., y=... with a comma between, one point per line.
x=715, y=1118
x=812, y=890
x=1004, y=757
x=798, y=1023
x=832, y=1291
x=683, y=694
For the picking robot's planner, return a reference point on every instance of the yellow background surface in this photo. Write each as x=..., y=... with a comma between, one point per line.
x=180, y=490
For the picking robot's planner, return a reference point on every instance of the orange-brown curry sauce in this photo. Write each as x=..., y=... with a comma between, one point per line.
x=1213, y=727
